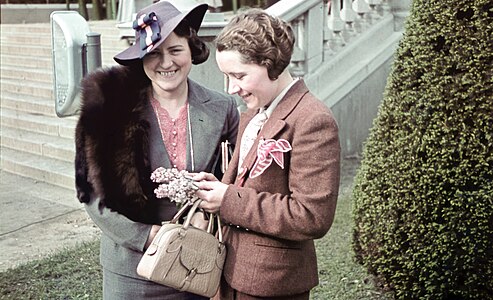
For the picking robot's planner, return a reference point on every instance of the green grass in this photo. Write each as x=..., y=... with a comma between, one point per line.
x=70, y=274
x=76, y=274
x=341, y=278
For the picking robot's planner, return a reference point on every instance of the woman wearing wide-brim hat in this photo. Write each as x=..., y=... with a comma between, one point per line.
x=136, y=117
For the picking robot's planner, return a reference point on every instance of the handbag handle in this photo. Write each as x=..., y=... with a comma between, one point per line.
x=181, y=212
x=190, y=213
x=192, y=210
x=210, y=226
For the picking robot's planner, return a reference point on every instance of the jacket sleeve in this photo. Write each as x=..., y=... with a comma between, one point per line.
x=305, y=207
x=120, y=229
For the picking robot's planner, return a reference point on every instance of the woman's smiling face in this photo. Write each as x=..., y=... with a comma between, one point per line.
x=168, y=65
x=250, y=81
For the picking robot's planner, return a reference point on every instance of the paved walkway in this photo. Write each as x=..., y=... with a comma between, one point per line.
x=37, y=219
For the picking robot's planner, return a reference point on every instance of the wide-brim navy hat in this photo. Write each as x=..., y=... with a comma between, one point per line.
x=153, y=24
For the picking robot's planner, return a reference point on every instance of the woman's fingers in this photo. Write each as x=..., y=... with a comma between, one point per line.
x=212, y=192
x=208, y=206
x=204, y=185
x=202, y=176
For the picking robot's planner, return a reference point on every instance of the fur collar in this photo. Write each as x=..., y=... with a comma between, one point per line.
x=112, y=140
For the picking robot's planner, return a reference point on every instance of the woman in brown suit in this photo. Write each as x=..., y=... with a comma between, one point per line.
x=280, y=193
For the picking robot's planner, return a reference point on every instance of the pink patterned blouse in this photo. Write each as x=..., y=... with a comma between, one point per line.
x=174, y=133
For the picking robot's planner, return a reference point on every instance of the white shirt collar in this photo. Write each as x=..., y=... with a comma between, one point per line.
x=278, y=99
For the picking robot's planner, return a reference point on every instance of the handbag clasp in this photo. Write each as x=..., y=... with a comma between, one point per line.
x=191, y=274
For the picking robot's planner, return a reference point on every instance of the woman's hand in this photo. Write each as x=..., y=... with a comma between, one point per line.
x=152, y=235
x=211, y=191
x=202, y=176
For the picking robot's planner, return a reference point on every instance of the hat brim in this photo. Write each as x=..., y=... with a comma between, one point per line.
x=194, y=17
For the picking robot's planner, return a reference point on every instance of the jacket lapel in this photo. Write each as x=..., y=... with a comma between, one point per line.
x=206, y=128
x=273, y=126
x=158, y=155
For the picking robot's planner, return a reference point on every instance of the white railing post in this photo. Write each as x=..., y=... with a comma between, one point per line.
x=361, y=8
x=314, y=34
x=297, y=65
x=374, y=5
x=386, y=9
x=327, y=33
x=333, y=38
x=348, y=16
x=335, y=22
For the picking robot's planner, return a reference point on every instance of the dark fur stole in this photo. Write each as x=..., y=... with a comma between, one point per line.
x=112, y=159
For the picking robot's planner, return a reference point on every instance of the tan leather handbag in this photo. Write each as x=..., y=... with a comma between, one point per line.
x=184, y=257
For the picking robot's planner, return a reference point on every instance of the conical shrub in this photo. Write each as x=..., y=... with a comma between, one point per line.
x=423, y=197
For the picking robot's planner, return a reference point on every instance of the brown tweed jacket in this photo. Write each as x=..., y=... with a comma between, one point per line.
x=274, y=218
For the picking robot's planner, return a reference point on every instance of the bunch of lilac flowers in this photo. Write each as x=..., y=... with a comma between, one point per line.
x=174, y=185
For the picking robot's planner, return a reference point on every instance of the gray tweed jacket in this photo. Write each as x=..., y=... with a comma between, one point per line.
x=117, y=149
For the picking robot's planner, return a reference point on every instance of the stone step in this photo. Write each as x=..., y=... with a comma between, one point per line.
x=107, y=59
x=28, y=87
x=113, y=45
x=33, y=61
x=108, y=40
x=10, y=55
x=19, y=41
x=25, y=28
x=105, y=27
x=49, y=125
x=41, y=63
x=26, y=73
x=28, y=104
x=40, y=57
x=9, y=48
x=41, y=39
x=45, y=169
x=21, y=36
x=39, y=144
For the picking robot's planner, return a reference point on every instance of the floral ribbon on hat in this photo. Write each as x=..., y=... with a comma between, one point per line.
x=150, y=32
x=269, y=150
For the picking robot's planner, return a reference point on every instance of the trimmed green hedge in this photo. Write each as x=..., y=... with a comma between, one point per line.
x=423, y=198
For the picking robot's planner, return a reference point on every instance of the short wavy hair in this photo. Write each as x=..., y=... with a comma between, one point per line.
x=260, y=38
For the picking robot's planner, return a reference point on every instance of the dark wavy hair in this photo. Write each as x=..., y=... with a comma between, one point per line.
x=200, y=51
x=260, y=38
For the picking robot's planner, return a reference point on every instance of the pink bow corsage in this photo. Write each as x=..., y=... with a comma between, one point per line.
x=268, y=151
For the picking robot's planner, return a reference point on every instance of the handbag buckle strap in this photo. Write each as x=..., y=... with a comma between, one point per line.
x=188, y=279
x=191, y=274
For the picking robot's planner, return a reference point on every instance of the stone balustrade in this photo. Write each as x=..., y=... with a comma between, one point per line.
x=342, y=21
x=322, y=28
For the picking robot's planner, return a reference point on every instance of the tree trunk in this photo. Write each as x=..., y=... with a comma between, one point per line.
x=83, y=9
x=97, y=10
